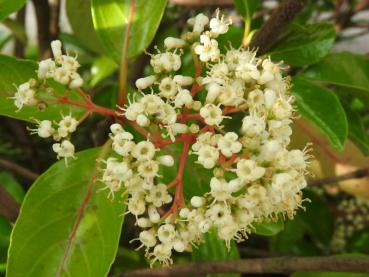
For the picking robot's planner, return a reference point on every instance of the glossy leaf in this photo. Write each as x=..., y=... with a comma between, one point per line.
x=43, y=242
x=15, y=72
x=269, y=228
x=305, y=45
x=8, y=7
x=214, y=249
x=101, y=68
x=344, y=69
x=322, y=107
x=110, y=22
x=80, y=19
x=357, y=132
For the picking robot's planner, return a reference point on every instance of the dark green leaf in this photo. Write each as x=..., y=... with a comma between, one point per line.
x=14, y=72
x=214, y=249
x=110, y=22
x=269, y=228
x=80, y=19
x=196, y=179
x=357, y=132
x=42, y=243
x=345, y=69
x=8, y=7
x=305, y=44
x=101, y=68
x=322, y=107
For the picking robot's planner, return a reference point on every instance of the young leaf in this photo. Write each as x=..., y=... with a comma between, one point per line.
x=110, y=22
x=102, y=68
x=344, y=69
x=66, y=225
x=80, y=19
x=322, y=107
x=214, y=249
x=14, y=72
x=305, y=44
x=8, y=7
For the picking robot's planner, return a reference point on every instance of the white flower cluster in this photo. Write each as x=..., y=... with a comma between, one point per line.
x=352, y=216
x=62, y=69
x=256, y=178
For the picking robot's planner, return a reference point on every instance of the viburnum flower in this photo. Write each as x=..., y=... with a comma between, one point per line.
x=255, y=176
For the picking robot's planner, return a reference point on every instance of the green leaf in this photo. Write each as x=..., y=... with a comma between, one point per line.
x=357, y=132
x=269, y=228
x=110, y=22
x=214, y=249
x=196, y=179
x=67, y=226
x=80, y=19
x=101, y=68
x=344, y=69
x=305, y=44
x=12, y=186
x=17, y=29
x=8, y=7
x=14, y=72
x=322, y=107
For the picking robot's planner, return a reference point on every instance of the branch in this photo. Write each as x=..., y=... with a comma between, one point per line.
x=123, y=73
x=357, y=174
x=9, y=208
x=42, y=9
x=18, y=170
x=283, y=265
x=270, y=32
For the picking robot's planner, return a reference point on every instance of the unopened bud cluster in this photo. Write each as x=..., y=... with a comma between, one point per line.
x=352, y=216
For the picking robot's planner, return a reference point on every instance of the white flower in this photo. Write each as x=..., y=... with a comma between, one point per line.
x=168, y=88
x=158, y=195
x=218, y=25
x=44, y=129
x=183, y=98
x=68, y=124
x=249, y=171
x=25, y=96
x=229, y=144
x=142, y=120
x=212, y=114
x=148, y=169
x=252, y=125
x=46, y=69
x=208, y=156
x=208, y=49
x=122, y=143
x=144, y=151
x=133, y=110
x=198, y=22
x=220, y=189
x=65, y=149
x=147, y=238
